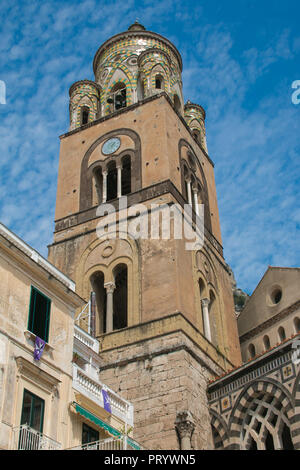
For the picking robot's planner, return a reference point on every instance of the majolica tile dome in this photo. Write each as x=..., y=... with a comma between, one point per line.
x=128, y=67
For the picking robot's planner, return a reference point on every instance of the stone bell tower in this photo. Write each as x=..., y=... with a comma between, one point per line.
x=164, y=314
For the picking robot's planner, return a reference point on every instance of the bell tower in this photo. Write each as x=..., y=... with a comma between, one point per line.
x=164, y=315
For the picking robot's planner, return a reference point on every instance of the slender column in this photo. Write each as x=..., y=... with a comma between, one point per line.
x=189, y=191
x=185, y=427
x=92, y=317
x=119, y=170
x=104, y=188
x=205, y=314
x=195, y=194
x=110, y=287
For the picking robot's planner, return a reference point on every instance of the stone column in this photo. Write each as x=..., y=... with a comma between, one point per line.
x=189, y=191
x=110, y=287
x=104, y=186
x=92, y=318
x=205, y=314
x=185, y=426
x=119, y=170
x=195, y=194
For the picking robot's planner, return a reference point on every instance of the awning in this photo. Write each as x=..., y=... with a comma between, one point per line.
x=87, y=414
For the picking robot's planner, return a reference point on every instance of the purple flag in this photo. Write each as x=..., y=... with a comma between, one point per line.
x=38, y=348
x=106, y=401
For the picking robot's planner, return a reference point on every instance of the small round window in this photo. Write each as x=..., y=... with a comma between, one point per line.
x=276, y=295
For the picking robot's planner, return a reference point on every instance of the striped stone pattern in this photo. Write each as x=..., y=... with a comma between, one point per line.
x=279, y=399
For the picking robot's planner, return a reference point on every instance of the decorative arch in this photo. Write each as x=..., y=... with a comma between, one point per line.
x=129, y=78
x=86, y=175
x=159, y=70
x=262, y=408
x=296, y=421
x=199, y=173
x=219, y=431
x=102, y=260
x=120, y=86
x=207, y=300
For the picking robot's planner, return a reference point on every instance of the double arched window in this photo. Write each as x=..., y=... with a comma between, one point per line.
x=192, y=187
x=111, y=299
x=209, y=308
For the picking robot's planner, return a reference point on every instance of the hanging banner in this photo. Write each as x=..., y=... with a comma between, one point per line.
x=106, y=400
x=38, y=348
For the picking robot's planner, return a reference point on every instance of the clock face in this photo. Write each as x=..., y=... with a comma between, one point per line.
x=111, y=146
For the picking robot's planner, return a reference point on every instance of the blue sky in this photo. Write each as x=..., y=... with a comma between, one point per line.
x=240, y=58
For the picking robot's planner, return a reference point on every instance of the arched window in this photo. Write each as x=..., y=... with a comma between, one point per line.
x=251, y=349
x=201, y=288
x=84, y=118
x=120, y=299
x=177, y=103
x=140, y=89
x=159, y=82
x=97, y=284
x=126, y=175
x=112, y=181
x=212, y=310
x=197, y=135
x=117, y=97
x=297, y=324
x=98, y=177
x=266, y=341
x=281, y=334
x=191, y=186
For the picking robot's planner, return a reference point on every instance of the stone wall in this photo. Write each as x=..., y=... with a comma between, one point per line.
x=162, y=377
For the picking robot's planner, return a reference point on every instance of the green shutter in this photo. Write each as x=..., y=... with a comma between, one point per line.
x=39, y=314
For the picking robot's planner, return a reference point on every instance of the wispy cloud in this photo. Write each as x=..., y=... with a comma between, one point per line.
x=252, y=126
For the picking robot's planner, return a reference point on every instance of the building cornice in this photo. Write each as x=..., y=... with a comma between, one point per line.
x=140, y=196
x=271, y=321
x=134, y=106
x=253, y=369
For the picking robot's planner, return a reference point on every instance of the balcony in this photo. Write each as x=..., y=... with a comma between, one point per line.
x=83, y=337
x=26, y=438
x=111, y=443
x=86, y=384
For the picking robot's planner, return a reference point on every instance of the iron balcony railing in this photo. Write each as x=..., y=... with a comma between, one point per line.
x=26, y=438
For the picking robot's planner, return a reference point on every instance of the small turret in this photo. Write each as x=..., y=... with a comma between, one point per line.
x=194, y=115
x=84, y=103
